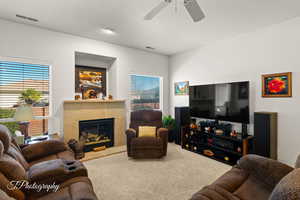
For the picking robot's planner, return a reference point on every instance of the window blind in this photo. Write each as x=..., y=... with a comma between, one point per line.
x=16, y=77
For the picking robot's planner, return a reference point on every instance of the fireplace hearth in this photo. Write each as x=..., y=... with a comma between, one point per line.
x=96, y=133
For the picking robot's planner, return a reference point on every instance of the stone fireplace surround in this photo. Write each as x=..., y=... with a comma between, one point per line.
x=79, y=110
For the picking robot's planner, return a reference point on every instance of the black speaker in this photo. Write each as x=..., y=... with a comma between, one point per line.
x=265, y=133
x=182, y=118
x=244, y=130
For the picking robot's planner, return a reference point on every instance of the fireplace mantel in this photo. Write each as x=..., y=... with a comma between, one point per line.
x=78, y=110
x=93, y=101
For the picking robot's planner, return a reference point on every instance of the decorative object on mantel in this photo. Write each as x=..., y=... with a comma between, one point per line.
x=90, y=81
x=277, y=85
x=110, y=97
x=77, y=97
x=182, y=88
x=101, y=96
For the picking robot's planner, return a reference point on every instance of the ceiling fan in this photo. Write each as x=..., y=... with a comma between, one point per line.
x=191, y=6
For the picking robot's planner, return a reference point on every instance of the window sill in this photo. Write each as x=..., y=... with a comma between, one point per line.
x=3, y=120
x=7, y=120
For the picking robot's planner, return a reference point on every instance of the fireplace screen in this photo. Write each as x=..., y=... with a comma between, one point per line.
x=96, y=133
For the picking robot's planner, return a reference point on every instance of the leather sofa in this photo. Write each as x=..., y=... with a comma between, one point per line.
x=146, y=147
x=255, y=178
x=45, y=163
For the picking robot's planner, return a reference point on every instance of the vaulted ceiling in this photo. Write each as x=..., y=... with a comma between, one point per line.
x=169, y=32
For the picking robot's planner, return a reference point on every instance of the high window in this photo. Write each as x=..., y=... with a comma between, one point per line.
x=23, y=83
x=145, y=92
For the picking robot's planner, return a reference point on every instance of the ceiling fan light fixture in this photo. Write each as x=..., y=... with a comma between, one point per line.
x=194, y=10
x=191, y=6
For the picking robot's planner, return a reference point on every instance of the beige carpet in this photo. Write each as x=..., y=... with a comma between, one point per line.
x=176, y=177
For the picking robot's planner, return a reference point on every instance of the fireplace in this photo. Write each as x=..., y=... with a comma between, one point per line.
x=96, y=133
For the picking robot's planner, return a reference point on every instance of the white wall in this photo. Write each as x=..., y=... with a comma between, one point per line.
x=93, y=60
x=270, y=50
x=59, y=49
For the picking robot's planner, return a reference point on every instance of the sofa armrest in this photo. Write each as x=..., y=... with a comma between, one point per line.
x=11, y=188
x=163, y=134
x=267, y=170
x=57, y=171
x=42, y=149
x=130, y=134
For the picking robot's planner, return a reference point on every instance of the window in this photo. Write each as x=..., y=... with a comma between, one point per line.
x=16, y=78
x=145, y=92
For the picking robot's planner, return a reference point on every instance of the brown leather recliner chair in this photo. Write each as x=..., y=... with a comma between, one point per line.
x=146, y=147
x=255, y=178
x=70, y=175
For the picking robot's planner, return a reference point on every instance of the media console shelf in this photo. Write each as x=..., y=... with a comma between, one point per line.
x=223, y=148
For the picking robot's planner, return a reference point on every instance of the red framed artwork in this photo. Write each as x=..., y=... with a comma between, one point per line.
x=277, y=85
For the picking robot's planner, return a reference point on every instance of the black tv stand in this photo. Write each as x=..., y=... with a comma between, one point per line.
x=226, y=149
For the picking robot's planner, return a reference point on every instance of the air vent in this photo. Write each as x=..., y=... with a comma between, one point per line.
x=150, y=48
x=27, y=18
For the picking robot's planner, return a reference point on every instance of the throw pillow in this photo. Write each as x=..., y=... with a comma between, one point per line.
x=149, y=131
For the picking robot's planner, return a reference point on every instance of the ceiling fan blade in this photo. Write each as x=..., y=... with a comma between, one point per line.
x=157, y=9
x=194, y=10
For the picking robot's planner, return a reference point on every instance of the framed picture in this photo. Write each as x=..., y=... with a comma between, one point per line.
x=90, y=81
x=277, y=85
x=182, y=88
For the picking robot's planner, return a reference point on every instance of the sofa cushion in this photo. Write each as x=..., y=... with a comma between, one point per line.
x=232, y=179
x=42, y=149
x=1, y=149
x=14, y=152
x=149, y=131
x=6, y=190
x=5, y=137
x=79, y=188
x=288, y=188
x=269, y=171
x=6, y=197
x=253, y=188
x=146, y=115
x=65, y=155
x=234, y=184
x=146, y=142
x=10, y=148
x=11, y=168
x=214, y=192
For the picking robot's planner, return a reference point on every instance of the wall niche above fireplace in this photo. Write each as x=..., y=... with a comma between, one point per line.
x=93, y=73
x=96, y=133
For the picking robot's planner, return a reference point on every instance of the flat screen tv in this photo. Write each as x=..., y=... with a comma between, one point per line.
x=226, y=102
